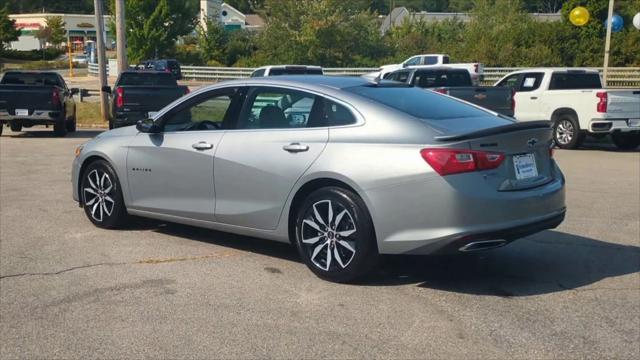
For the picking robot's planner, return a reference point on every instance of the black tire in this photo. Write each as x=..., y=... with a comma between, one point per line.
x=60, y=126
x=71, y=124
x=101, y=197
x=567, y=133
x=1, y=126
x=16, y=126
x=110, y=124
x=626, y=141
x=339, y=254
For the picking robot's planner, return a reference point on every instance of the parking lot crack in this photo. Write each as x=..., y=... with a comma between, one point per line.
x=61, y=271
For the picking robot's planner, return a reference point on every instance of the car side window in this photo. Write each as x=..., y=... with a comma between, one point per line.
x=413, y=61
x=258, y=73
x=330, y=113
x=389, y=76
x=207, y=113
x=276, y=108
x=512, y=81
x=430, y=60
x=402, y=76
x=531, y=81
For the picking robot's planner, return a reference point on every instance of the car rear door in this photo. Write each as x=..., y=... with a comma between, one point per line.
x=258, y=161
x=171, y=172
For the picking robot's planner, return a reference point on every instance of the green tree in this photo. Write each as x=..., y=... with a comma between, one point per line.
x=8, y=31
x=212, y=41
x=53, y=32
x=322, y=32
x=153, y=26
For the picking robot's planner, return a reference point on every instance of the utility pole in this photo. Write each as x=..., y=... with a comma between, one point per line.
x=607, y=45
x=121, y=37
x=102, y=59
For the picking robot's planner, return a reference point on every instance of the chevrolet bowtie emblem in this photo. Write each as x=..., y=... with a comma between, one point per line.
x=532, y=142
x=480, y=96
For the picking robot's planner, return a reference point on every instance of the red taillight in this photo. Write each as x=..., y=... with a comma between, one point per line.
x=119, y=97
x=442, y=91
x=602, y=104
x=454, y=161
x=513, y=99
x=55, y=98
x=475, y=68
x=186, y=90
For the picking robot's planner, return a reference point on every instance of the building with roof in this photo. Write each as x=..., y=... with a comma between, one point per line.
x=230, y=17
x=401, y=14
x=80, y=30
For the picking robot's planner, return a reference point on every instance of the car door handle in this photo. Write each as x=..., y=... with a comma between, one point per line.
x=534, y=98
x=202, y=145
x=295, y=147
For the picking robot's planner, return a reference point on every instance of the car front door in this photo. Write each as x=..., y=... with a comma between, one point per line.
x=171, y=172
x=276, y=139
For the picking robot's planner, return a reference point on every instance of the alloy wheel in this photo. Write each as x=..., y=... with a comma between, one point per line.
x=328, y=235
x=97, y=196
x=564, y=132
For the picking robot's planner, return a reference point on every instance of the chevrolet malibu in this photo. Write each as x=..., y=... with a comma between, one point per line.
x=344, y=168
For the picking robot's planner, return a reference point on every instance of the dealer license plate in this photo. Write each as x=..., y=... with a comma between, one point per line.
x=525, y=166
x=22, y=112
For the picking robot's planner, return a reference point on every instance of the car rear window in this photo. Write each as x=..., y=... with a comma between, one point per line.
x=573, y=81
x=421, y=103
x=295, y=71
x=13, y=78
x=429, y=79
x=146, y=79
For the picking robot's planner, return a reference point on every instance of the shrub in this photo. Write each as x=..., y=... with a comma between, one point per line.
x=49, y=54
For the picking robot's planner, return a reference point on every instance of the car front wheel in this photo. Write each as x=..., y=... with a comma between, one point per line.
x=334, y=235
x=101, y=196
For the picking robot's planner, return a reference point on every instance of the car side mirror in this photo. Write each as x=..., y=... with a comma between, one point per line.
x=147, y=126
x=74, y=91
x=106, y=89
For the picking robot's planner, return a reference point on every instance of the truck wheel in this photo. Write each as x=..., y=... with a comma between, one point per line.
x=16, y=126
x=567, y=133
x=71, y=124
x=60, y=127
x=626, y=141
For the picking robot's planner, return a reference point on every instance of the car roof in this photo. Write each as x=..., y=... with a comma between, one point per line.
x=554, y=69
x=286, y=66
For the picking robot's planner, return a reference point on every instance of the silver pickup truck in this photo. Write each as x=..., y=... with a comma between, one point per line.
x=457, y=83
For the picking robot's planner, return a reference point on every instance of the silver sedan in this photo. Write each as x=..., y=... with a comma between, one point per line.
x=344, y=168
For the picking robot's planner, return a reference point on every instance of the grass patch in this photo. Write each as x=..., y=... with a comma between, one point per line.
x=88, y=114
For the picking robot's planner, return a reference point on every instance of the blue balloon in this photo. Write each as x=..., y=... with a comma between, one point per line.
x=616, y=21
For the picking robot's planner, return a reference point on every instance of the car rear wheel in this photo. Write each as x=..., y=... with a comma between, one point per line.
x=60, y=126
x=101, y=196
x=71, y=124
x=334, y=235
x=626, y=141
x=567, y=133
x=16, y=126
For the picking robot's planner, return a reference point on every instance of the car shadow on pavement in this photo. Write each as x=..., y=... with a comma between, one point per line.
x=547, y=262
x=48, y=133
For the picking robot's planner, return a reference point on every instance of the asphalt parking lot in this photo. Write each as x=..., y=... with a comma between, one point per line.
x=71, y=290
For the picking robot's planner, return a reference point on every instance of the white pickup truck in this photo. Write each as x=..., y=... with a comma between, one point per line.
x=475, y=69
x=576, y=103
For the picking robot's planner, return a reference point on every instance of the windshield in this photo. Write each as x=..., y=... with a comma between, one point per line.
x=147, y=79
x=421, y=103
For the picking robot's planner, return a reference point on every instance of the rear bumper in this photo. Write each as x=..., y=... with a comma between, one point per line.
x=35, y=116
x=441, y=214
x=607, y=126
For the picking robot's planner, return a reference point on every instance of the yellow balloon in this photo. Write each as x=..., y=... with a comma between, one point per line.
x=579, y=16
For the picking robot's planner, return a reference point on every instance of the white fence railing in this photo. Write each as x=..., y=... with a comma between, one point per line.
x=618, y=77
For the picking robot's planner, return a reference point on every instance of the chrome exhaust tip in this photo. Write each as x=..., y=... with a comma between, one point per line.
x=482, y=245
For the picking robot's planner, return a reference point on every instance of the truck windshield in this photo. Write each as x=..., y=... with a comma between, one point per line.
x=423, y=104
x=574, y=81
x=147, y=79
x=36, y=79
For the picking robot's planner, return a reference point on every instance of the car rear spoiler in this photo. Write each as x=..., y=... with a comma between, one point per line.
x=518, y=126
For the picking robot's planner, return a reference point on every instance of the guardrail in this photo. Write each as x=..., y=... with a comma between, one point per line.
x=622, y=77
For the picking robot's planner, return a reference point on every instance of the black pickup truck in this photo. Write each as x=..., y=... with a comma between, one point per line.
x=138, y=93
x=457, y=83
x=37, y=98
